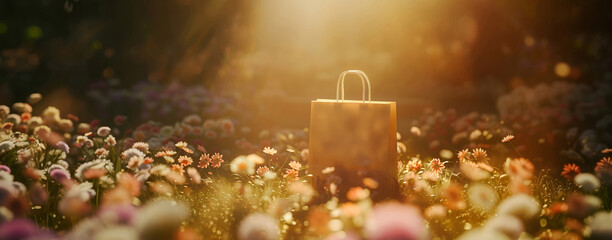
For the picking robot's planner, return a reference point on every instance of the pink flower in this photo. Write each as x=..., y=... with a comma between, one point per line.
x=414, y=165
x=178, y=168
x=436, y=166
x=194, y=175
x=142, y=146
x=63, y=146
x=305, y=154
x=291, y=175
x=120, y=119
x=101, y=152
x=261, y=171
x=604, y=169
x=103, y=131
x=59, y=175
x=295, y=165
x=395, y=221
x=185, y=160
x=210, y=134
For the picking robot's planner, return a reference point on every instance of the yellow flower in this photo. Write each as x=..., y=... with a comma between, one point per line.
x=181, y=144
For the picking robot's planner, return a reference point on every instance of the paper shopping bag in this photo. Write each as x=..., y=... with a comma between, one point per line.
x=353, y=143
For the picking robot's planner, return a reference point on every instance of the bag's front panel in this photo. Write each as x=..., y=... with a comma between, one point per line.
x=351, y=136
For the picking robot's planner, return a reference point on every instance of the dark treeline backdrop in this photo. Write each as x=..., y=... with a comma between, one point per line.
x=272, y=57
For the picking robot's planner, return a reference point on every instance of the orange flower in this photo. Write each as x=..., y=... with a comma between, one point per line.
x=185, y=160
x=604, y=169
x=570, y=171
x=603, y=164
x=165, y=153
x=463, y=155
x=370, y=183
x=201, y=148
x=357, y=193
x=178, y=168
x=318, y=218
x=453, y=197
x=415, y=165
x=519, y=168
x=507, y=138
x=94, y=173
x=350, y=209
x=204, y=160
x=216, y=160
x=147, y=160
x=479, y=154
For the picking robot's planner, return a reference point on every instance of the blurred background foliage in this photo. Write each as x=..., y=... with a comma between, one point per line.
x=263, y=61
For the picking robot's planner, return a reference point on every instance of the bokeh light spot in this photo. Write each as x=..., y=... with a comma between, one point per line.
x=562, y=69
x=529, y=41
x=108, y=73
x=96, y=45
x=3, y=28
x=34, y=32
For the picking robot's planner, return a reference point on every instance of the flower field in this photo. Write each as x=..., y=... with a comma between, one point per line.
x=540, y=169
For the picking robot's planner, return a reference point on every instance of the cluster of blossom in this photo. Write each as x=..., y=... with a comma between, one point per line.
x=437, y=133
x=20, y=59
x=555, y=113
x=51, y=172
x=148, y=100
x=192, y=127
x=163, y=182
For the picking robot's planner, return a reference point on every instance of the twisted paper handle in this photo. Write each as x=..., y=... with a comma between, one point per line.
x=364, y=80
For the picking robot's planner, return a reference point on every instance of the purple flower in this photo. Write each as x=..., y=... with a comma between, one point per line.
x=6, y=191
x=5, y=168
x=59, y=175
x=63, y=146
x=38, y=194
x=118, y=214
x=18, y=229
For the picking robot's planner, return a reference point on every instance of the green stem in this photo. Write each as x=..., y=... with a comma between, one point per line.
x=48, y=208
x=514, y=148
x=287, y=158
x=97, y=194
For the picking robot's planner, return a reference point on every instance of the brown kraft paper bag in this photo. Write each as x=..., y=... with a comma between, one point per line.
x=357, y=139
